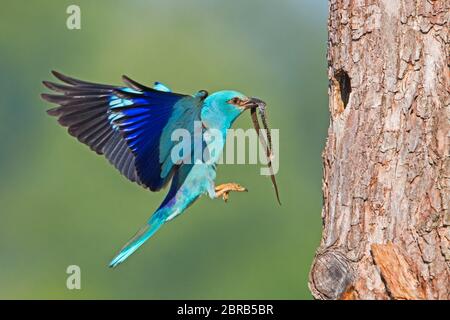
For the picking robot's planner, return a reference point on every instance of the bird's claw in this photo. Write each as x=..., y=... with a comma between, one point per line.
x=223, y=190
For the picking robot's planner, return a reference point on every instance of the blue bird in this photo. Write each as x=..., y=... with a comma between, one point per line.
x=132, y=125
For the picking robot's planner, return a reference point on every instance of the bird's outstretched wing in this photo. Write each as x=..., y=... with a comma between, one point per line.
x=126, y=124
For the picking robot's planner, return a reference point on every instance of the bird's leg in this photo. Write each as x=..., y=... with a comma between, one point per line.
x=224, y=189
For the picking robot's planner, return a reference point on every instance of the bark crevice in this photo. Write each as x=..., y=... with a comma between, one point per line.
x=344, y=86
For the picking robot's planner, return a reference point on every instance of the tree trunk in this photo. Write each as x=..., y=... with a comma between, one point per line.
x=386, y=219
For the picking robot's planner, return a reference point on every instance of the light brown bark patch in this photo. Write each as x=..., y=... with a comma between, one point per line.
x=400, y=279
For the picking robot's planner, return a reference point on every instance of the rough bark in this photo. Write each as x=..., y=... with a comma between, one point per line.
x=386, y=218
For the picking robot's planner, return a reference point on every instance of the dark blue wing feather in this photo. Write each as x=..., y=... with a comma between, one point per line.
x=141, y=117
x=123, y=123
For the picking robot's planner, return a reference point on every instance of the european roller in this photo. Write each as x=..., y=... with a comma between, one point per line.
x=132, y=127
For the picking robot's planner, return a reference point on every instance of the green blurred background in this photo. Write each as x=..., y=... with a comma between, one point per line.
x=60, y=204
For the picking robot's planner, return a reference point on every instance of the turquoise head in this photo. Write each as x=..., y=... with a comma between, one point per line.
x=221, y=108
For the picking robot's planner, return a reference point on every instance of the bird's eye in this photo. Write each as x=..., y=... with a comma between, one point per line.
x=235, y=100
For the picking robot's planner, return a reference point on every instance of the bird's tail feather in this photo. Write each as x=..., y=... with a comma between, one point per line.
x=149, y=229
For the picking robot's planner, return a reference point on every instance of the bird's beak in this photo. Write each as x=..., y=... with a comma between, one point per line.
x=251, y=103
